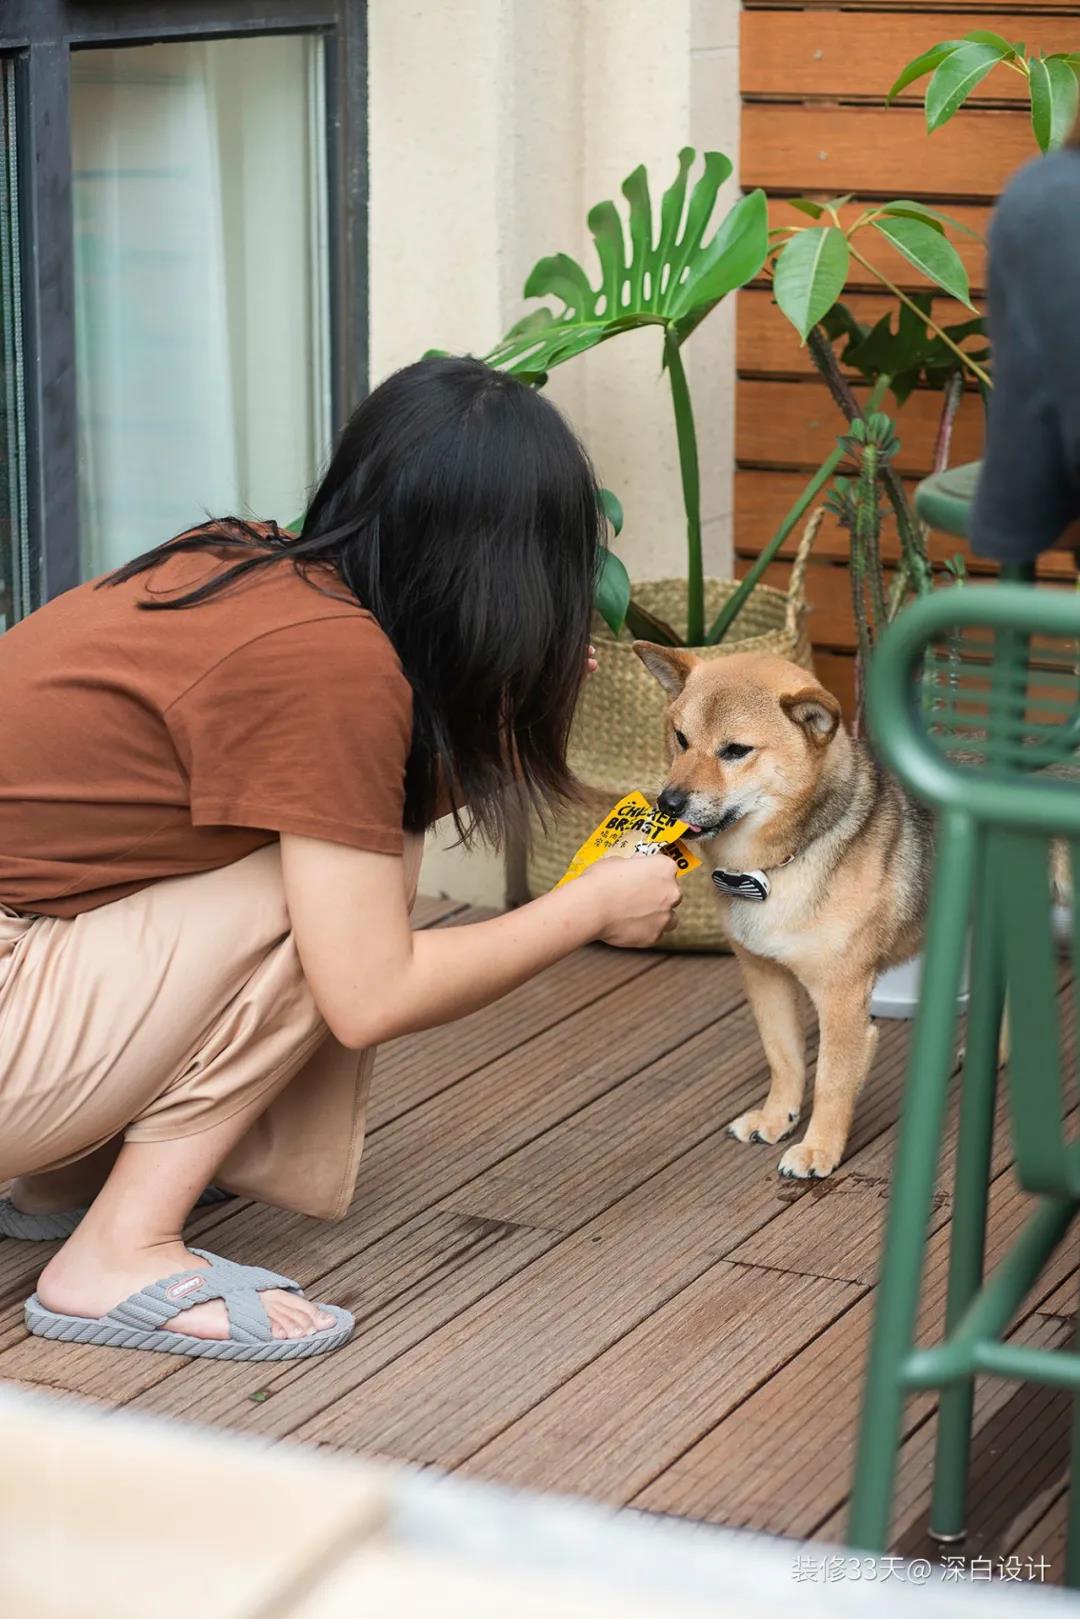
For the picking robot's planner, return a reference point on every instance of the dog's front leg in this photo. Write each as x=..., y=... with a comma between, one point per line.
x=845, y=1053
x=774, y=996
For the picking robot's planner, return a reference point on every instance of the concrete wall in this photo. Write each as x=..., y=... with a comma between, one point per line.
x=495, y=125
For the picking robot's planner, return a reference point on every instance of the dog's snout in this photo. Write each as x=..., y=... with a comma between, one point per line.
x=672, y=802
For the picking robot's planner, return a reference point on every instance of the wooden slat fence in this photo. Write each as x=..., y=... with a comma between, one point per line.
x=814, y=121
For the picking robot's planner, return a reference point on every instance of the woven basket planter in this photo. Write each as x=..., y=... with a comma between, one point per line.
x=617, y=742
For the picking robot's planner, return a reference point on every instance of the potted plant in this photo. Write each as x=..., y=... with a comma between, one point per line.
x=667, y=270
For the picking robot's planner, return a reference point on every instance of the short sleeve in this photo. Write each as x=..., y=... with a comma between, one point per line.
x=1027, y=494
x=305, y=729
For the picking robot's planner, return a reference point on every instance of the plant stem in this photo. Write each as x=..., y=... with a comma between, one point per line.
x=899, y=589
x=691, y=490
x=912, y=541
x=972, y=365
x=821, y=352
x=734, y=606
x=950, y=404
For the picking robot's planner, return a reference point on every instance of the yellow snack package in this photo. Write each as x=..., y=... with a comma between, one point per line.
x=633, y=827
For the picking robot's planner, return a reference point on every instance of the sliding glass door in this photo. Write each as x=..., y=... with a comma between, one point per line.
x=203, y=329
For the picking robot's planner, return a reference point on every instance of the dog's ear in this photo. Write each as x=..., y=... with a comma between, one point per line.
x=815, y=711
x=670, y=665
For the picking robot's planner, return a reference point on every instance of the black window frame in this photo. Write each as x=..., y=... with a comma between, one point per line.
x=39, y=36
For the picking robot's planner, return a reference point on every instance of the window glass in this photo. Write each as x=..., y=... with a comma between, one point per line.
x=201, y=270
x=17, y=573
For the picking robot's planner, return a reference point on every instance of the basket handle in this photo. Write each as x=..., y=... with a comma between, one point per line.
x=802, y=557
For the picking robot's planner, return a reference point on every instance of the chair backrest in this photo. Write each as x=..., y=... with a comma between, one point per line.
x=974, y=702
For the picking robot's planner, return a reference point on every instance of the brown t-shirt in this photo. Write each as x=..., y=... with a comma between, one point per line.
x=140, y=745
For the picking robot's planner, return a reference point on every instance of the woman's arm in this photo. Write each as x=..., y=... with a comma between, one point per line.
x=373, y=978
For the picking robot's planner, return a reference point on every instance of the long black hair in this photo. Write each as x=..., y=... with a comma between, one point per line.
x=462, y=512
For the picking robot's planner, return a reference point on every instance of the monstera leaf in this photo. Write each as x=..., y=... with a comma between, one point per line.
x=672, y=275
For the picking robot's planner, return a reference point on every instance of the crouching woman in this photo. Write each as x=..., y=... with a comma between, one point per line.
x=216, y=767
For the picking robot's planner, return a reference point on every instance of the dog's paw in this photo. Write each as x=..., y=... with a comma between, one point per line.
x=763, y=1124
x=806, y=1163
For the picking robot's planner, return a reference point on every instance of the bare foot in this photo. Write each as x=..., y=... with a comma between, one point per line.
x=83, y=1279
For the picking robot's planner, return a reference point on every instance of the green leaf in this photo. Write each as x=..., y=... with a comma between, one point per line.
x=959, y=74
x=922, y=210
x=734, y=257
x=986, y=36
x=612, y=509
x=1054, y=99
x=611, y=593
x=921, y=65
x=666, y=271
x=841, y=323
x=932, y=255
x=914, y=210
x=811, y=206
x=645, y=626
x=810, y=275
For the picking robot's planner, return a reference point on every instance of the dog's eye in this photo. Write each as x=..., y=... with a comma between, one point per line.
x=735, y=750
x=681, y=740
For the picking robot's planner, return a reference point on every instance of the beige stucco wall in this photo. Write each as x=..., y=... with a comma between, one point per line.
x=495, y=125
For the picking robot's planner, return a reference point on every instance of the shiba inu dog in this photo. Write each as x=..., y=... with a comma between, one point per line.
x=822, y=866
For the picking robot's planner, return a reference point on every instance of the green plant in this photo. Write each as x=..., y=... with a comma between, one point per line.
x=906, y=348
x=957, y=67
x=668, y=273
x=871, y=446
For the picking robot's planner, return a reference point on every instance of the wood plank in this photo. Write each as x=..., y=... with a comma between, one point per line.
x=431, y=909
x=410, y=1282
x=796, y=424
x=763, y=498
x=834, y=53
x=409, y=1072
x=768, y=345
x=569, y=1176
x=880, y=253
x=782, y=1460
x=1019, y=1457
x=919, y=6
x=442, y=1401
x=430, y=1153
x=831, y=619
x=1018, y=1449
x=634, y=1410
x=881, y=149
x=836, y=671
x=586, y=1163
x=810, y=1238
x=1045, y=1540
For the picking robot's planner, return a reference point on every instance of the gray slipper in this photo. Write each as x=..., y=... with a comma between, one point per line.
x=55, y=1227
x=138, y=1322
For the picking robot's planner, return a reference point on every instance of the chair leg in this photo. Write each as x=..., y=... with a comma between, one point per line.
x=914, y=1174
x=1072, y=1546
x=970, y=1193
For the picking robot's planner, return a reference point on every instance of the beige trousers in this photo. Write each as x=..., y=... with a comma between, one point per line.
x=163, y=1014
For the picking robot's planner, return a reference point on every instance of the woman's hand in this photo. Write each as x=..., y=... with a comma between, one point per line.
x=635, y=898
x=591, y=665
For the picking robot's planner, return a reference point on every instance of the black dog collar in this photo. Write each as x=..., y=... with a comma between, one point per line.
x=753, y=885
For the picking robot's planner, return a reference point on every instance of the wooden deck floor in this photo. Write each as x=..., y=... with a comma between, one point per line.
x=568, y=1277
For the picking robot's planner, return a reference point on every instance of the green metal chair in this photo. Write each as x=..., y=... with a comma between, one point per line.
x=974, y=701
